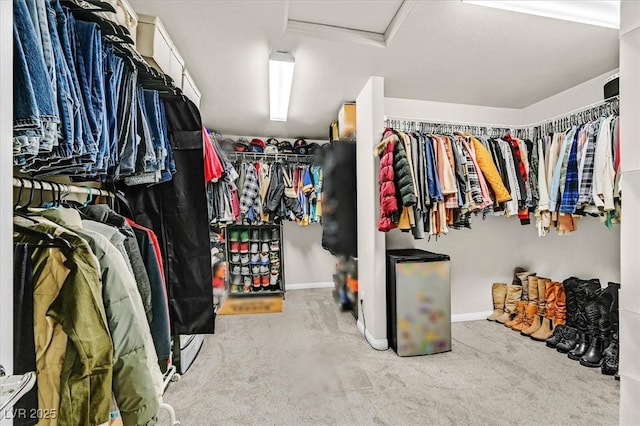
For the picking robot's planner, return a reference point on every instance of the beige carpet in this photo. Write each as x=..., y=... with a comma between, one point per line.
x=310, y=366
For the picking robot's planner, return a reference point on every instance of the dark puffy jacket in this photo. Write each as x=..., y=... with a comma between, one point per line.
x=402, y=175
x=388, y=202
x=275, y=190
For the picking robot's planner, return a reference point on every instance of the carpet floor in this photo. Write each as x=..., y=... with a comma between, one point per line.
x=310, y=366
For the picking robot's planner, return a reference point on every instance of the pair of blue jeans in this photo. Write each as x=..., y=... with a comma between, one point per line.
x=35, y=116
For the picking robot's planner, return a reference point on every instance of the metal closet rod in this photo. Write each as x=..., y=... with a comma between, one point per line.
x=53, y=186
x=416, y=122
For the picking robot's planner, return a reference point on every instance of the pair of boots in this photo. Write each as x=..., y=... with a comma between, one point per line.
x=527, y=308
x=554, y=313
x=511, y=302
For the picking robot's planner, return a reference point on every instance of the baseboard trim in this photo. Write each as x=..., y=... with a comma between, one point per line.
x=305, y=286
x=379, y=344
x=471, y=316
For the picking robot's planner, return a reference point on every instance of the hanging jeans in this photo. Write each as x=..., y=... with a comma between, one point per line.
x=24, y=350
x=177, y=212
x=35, y=114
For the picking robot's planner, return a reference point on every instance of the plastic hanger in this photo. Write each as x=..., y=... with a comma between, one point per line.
x=90, y=199
x=97, y=5
x=47, y=239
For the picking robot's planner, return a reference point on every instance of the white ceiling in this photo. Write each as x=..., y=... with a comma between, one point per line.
x=444, y=51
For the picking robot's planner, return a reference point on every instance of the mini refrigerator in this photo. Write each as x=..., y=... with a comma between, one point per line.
x=418, y=302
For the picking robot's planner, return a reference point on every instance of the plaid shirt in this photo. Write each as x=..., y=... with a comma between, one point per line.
x=586, y=170
x=250, y=191
x=571, y=191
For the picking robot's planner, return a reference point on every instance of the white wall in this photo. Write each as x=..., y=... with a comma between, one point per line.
x=578, y=96
x=371, y=244
x=630, y=242
x=6, y=190
x=441, y=111
x=305, y=261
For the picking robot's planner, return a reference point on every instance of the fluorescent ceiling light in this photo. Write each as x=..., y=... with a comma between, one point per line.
x=280, y=79
x=603, y=13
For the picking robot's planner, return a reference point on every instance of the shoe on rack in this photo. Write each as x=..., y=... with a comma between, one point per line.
x=244, y=259
x=265, y=280
x=236, y=279
x=514, y=292
x=235, y=258
x=235, y=247
x=264, y=258
x=244, y=247
x=275, y=234
x=235, y=270
x=234, y=236
x=255, y=259
x=264, y=235
x=274, y=257
x=256, y=283
x=265, y=248
x=264, y=269
x=254, y=248
x=244, y=236
x=255, y=235
x=274, y=280
x=255, y=269
x=499, y=294
x=275, y=246
x=244, y=270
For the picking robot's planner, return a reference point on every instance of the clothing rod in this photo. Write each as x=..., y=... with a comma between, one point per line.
x=504, y=126
x=451, y=123
x=594, y=105
x=48, y=186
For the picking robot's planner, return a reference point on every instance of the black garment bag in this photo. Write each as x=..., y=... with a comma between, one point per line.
x=177, y=212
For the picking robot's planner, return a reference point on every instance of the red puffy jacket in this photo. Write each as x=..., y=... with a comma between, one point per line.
x=388, y=201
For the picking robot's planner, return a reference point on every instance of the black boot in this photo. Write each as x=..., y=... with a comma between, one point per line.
x=569, y=341
x=556, y=337
x=610, y=354
x=569, y=337
x=582, y=293
x=600, y=326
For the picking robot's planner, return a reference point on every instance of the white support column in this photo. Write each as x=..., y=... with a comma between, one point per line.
x=6, y=185
x=371, y=243
x=630, y=228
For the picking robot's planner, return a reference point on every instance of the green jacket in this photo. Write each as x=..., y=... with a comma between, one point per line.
x=137, y=380
x=74, y=352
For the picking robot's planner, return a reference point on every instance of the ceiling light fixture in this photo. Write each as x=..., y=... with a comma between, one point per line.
x=281, y=66
x=603, y=13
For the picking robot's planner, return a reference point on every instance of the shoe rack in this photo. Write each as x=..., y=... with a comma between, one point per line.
x=255, y=260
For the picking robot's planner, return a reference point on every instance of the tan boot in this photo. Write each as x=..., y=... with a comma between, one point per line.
x=537, y=321
x=513, y=296
x=520, y=307
x=499, y=294
x=529, y=316
x=524, y=279
x=546, y=330
x=560, y=316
